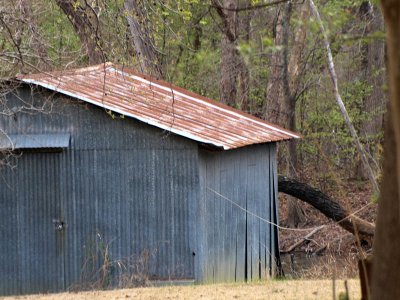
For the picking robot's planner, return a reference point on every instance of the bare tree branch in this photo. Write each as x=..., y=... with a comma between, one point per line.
x=218, y=6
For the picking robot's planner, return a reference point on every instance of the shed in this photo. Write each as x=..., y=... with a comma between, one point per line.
x=119, y=177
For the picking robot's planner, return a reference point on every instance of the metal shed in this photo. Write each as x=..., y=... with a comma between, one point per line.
x=115, y=169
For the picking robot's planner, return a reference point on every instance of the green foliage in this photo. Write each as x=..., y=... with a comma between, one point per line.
x=57, y=30
x=325, y=124
x=199, y=73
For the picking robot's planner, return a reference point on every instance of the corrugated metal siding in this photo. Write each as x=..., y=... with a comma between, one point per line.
x=9, y=268
x=121, y=184
x=234, y=245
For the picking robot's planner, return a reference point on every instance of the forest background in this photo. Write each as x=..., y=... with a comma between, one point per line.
x=288, y=62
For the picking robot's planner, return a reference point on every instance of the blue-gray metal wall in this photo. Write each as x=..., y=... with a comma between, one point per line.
x=135, y=190
x=237, y=213
x=120, y=184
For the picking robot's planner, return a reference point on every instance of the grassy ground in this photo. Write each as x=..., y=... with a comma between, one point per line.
x=287, y=289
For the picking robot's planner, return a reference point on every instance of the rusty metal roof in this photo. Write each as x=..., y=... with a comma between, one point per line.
x=161, y=104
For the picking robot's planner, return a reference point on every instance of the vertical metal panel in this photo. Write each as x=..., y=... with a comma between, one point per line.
x=9, y=264
x=274, y=209
x=235, y=244
x=265, y=207
x=252, y=223
x=226, y=179
x=241, y=244
x=201, y=224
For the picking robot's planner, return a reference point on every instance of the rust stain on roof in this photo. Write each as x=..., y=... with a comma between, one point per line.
x=161, y=104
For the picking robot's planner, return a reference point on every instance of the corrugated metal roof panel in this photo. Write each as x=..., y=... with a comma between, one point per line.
x=160, y=104
x=33, y=141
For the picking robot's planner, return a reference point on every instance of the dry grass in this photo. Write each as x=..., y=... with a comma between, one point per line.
x=285, y=289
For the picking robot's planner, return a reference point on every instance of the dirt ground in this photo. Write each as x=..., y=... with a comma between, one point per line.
x=285, y=289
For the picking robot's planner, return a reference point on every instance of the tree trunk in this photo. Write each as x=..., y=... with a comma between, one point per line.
x=244, y=86
x=235, y=76
x=86, y=25
x=295, y=215
x=144, y=45
x=229, y=57
x=339, y=101
x=243, y=70
x=326, y=205
x=386, y=276
x=386, y=262
x=376, y=102
x=272, y=107
x=373, y=66
x=282, y=89
x=294, y=73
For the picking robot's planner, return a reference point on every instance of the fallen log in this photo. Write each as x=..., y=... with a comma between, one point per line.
x=326, y=205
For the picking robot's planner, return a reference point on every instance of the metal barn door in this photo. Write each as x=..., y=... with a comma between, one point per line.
x=32, y=228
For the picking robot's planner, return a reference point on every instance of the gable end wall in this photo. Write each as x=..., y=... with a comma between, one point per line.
x=237, y=238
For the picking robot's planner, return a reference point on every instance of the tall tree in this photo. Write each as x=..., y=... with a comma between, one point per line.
x=233, y=68
x=386, y=277
x=228, y=15
x=284, y=88
x=146, y=50
x=85, y=20
x=291, y=79
x=373, y=66
x=244, y=32
x=272, y=104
